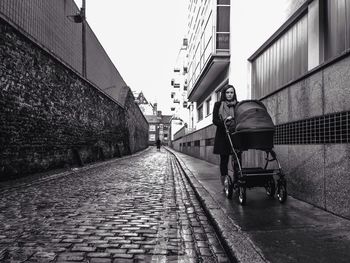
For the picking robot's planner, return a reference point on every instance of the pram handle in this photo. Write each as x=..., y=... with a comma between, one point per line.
x=231, y=143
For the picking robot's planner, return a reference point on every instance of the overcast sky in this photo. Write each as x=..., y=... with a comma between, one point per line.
x=142, y=38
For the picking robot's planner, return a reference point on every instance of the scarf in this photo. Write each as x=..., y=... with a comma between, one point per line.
x=227, y=108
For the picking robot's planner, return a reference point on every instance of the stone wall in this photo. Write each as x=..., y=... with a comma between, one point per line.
x=50, y=24
x=137, y=124
x=52, y=118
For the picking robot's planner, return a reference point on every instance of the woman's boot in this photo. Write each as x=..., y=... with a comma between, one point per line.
x=222, y=179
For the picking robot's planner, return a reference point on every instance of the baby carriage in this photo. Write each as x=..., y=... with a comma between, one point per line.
x=254, y=129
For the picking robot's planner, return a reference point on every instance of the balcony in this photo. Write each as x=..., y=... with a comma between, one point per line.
x=210, y=66
x=216, y=65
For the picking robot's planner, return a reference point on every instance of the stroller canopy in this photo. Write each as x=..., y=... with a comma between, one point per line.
x=252, y=115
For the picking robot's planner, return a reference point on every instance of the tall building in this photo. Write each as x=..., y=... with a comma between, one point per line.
x=179, y=90
x=208, y=56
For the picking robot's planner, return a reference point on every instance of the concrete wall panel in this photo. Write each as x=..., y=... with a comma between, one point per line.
x=305, y=98
x=271, y=107
x=282, y=107
x=337, y=167
x=306, y=173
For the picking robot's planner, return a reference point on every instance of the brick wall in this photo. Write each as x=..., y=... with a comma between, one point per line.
x=51, y=118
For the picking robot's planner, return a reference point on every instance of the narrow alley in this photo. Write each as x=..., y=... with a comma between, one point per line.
x=138, y=208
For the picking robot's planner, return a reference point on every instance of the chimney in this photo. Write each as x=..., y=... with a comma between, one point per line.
x=155, y=109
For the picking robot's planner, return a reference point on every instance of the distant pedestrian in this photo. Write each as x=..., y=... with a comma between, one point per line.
x=158, y=143
x=224, y=111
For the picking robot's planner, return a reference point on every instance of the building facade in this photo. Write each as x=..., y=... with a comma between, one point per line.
x=299, y=69
x=159, y=128
x=147, y=108
x=179, y=83
x=302, y=75
x=159, y=125
x=208, y=57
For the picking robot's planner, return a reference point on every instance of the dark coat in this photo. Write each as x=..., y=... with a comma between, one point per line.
x=221, y=142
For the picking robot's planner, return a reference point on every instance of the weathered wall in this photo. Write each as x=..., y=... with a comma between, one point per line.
x=49, y=24
x=136, y=123
x=51, y=118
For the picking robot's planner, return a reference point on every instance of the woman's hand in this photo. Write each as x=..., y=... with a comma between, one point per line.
x=228, y=118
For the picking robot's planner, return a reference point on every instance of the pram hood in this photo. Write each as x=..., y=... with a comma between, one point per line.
x=252, y=115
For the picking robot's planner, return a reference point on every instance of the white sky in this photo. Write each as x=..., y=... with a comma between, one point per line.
x=142, y=38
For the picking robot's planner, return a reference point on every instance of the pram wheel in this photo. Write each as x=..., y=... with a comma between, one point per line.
x=270, y=187
x=282, y=191
x=242, y=195
x=228, y=187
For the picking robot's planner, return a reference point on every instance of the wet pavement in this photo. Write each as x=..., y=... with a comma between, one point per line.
x=135, y=209
x=264, y=230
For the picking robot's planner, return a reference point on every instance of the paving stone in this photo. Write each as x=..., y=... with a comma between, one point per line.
x=98, y=255
x=100, y=260
x=122, y=255
x=136, y=251
x=123, y=260
x=78, y=256
x=83, y=249
x=136, y=209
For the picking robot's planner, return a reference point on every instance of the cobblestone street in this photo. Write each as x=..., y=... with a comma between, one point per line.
x=134, y=209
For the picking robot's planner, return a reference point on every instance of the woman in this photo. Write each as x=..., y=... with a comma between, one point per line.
x=158, y=143
x=224, y=110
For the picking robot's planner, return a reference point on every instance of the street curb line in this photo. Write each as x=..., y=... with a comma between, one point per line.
x=238, y=245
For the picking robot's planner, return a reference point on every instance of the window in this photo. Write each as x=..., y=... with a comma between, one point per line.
x=200, y=113
x=207, y=105
x=218, y=94
x=338, y=27
x=223, y=27
x=152, y=127
x=152, y=137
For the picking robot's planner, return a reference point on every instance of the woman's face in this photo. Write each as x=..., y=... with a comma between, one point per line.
x=229, y=94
